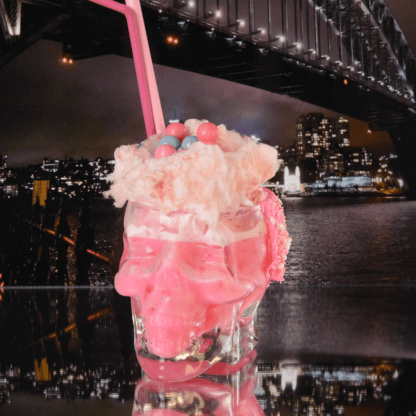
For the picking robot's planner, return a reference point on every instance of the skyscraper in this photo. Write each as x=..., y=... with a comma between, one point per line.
x=316, y=134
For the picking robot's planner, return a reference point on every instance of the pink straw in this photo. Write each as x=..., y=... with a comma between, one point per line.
x=149, y=94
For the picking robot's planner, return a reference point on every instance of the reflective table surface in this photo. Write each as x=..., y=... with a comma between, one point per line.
x=323, y=350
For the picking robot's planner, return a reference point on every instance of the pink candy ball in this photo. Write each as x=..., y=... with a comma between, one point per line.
x=208, y=133
x=164, y=150
x=176, y=129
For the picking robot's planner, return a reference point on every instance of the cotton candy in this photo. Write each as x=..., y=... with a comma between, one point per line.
x=208, y=179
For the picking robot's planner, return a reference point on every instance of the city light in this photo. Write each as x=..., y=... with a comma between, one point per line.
x=67, y=61
x=345, y=81
x=218, y=13
x=191, y=4
x=172, y=40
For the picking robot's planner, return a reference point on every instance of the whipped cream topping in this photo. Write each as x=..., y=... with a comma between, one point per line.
x=144, y=222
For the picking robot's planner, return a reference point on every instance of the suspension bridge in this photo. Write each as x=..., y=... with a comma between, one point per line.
x=349, y=56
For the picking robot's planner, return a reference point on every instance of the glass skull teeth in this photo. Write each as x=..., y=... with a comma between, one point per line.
x=192, y=284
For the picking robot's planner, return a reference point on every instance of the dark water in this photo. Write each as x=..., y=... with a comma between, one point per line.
x=351, y=347
x=351, y=240
x=346, y=310
x=334, y=241
x=297, y=321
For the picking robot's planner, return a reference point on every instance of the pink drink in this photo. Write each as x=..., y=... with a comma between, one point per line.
x=194, y=288
x=202, y=242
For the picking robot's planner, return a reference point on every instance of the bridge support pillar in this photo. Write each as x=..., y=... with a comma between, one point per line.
x=404, y=141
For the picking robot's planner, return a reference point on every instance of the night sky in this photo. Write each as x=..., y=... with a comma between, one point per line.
x=90, y=108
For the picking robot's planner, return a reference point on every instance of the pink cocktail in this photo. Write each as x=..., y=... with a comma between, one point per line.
x=202, y=239
x=202, y=242
x=194, y=288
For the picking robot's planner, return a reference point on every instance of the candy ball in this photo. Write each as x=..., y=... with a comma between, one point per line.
x=172, y=140
x=164, y=150
x=208, y=133
x=187, y=141
x=177, y=129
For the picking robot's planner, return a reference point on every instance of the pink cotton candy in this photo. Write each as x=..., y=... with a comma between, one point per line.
x=206, y=178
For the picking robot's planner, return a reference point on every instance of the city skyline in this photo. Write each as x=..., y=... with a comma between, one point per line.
x=90, y=108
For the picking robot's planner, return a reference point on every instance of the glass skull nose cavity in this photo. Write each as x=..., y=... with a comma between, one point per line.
x=190, y=282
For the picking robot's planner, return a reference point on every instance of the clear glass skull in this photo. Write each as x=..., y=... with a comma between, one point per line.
x=194, y=287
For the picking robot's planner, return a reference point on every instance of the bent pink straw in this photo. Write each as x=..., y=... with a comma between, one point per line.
x=149, y=94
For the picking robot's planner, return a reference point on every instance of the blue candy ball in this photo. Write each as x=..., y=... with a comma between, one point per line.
x=187, y=141
x=172, y=140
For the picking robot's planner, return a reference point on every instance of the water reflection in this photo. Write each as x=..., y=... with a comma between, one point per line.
x=267, y=389
x=49, y=246
x=325, y=388
x=60, y=346
x=65, y=326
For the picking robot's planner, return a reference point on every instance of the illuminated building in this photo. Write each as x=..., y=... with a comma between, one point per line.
x=3, y=166
x=340, y=131
x=333, y=163
x=50, y=165
x=388, y=174
x=358, y=162
x=11, y=191
x=100, y=170
x=315, y=134
x=3, y=162
x=345, y=183
x=281, y=163
x=40, y=191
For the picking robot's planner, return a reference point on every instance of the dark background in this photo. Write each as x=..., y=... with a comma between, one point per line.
x=90, y=108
